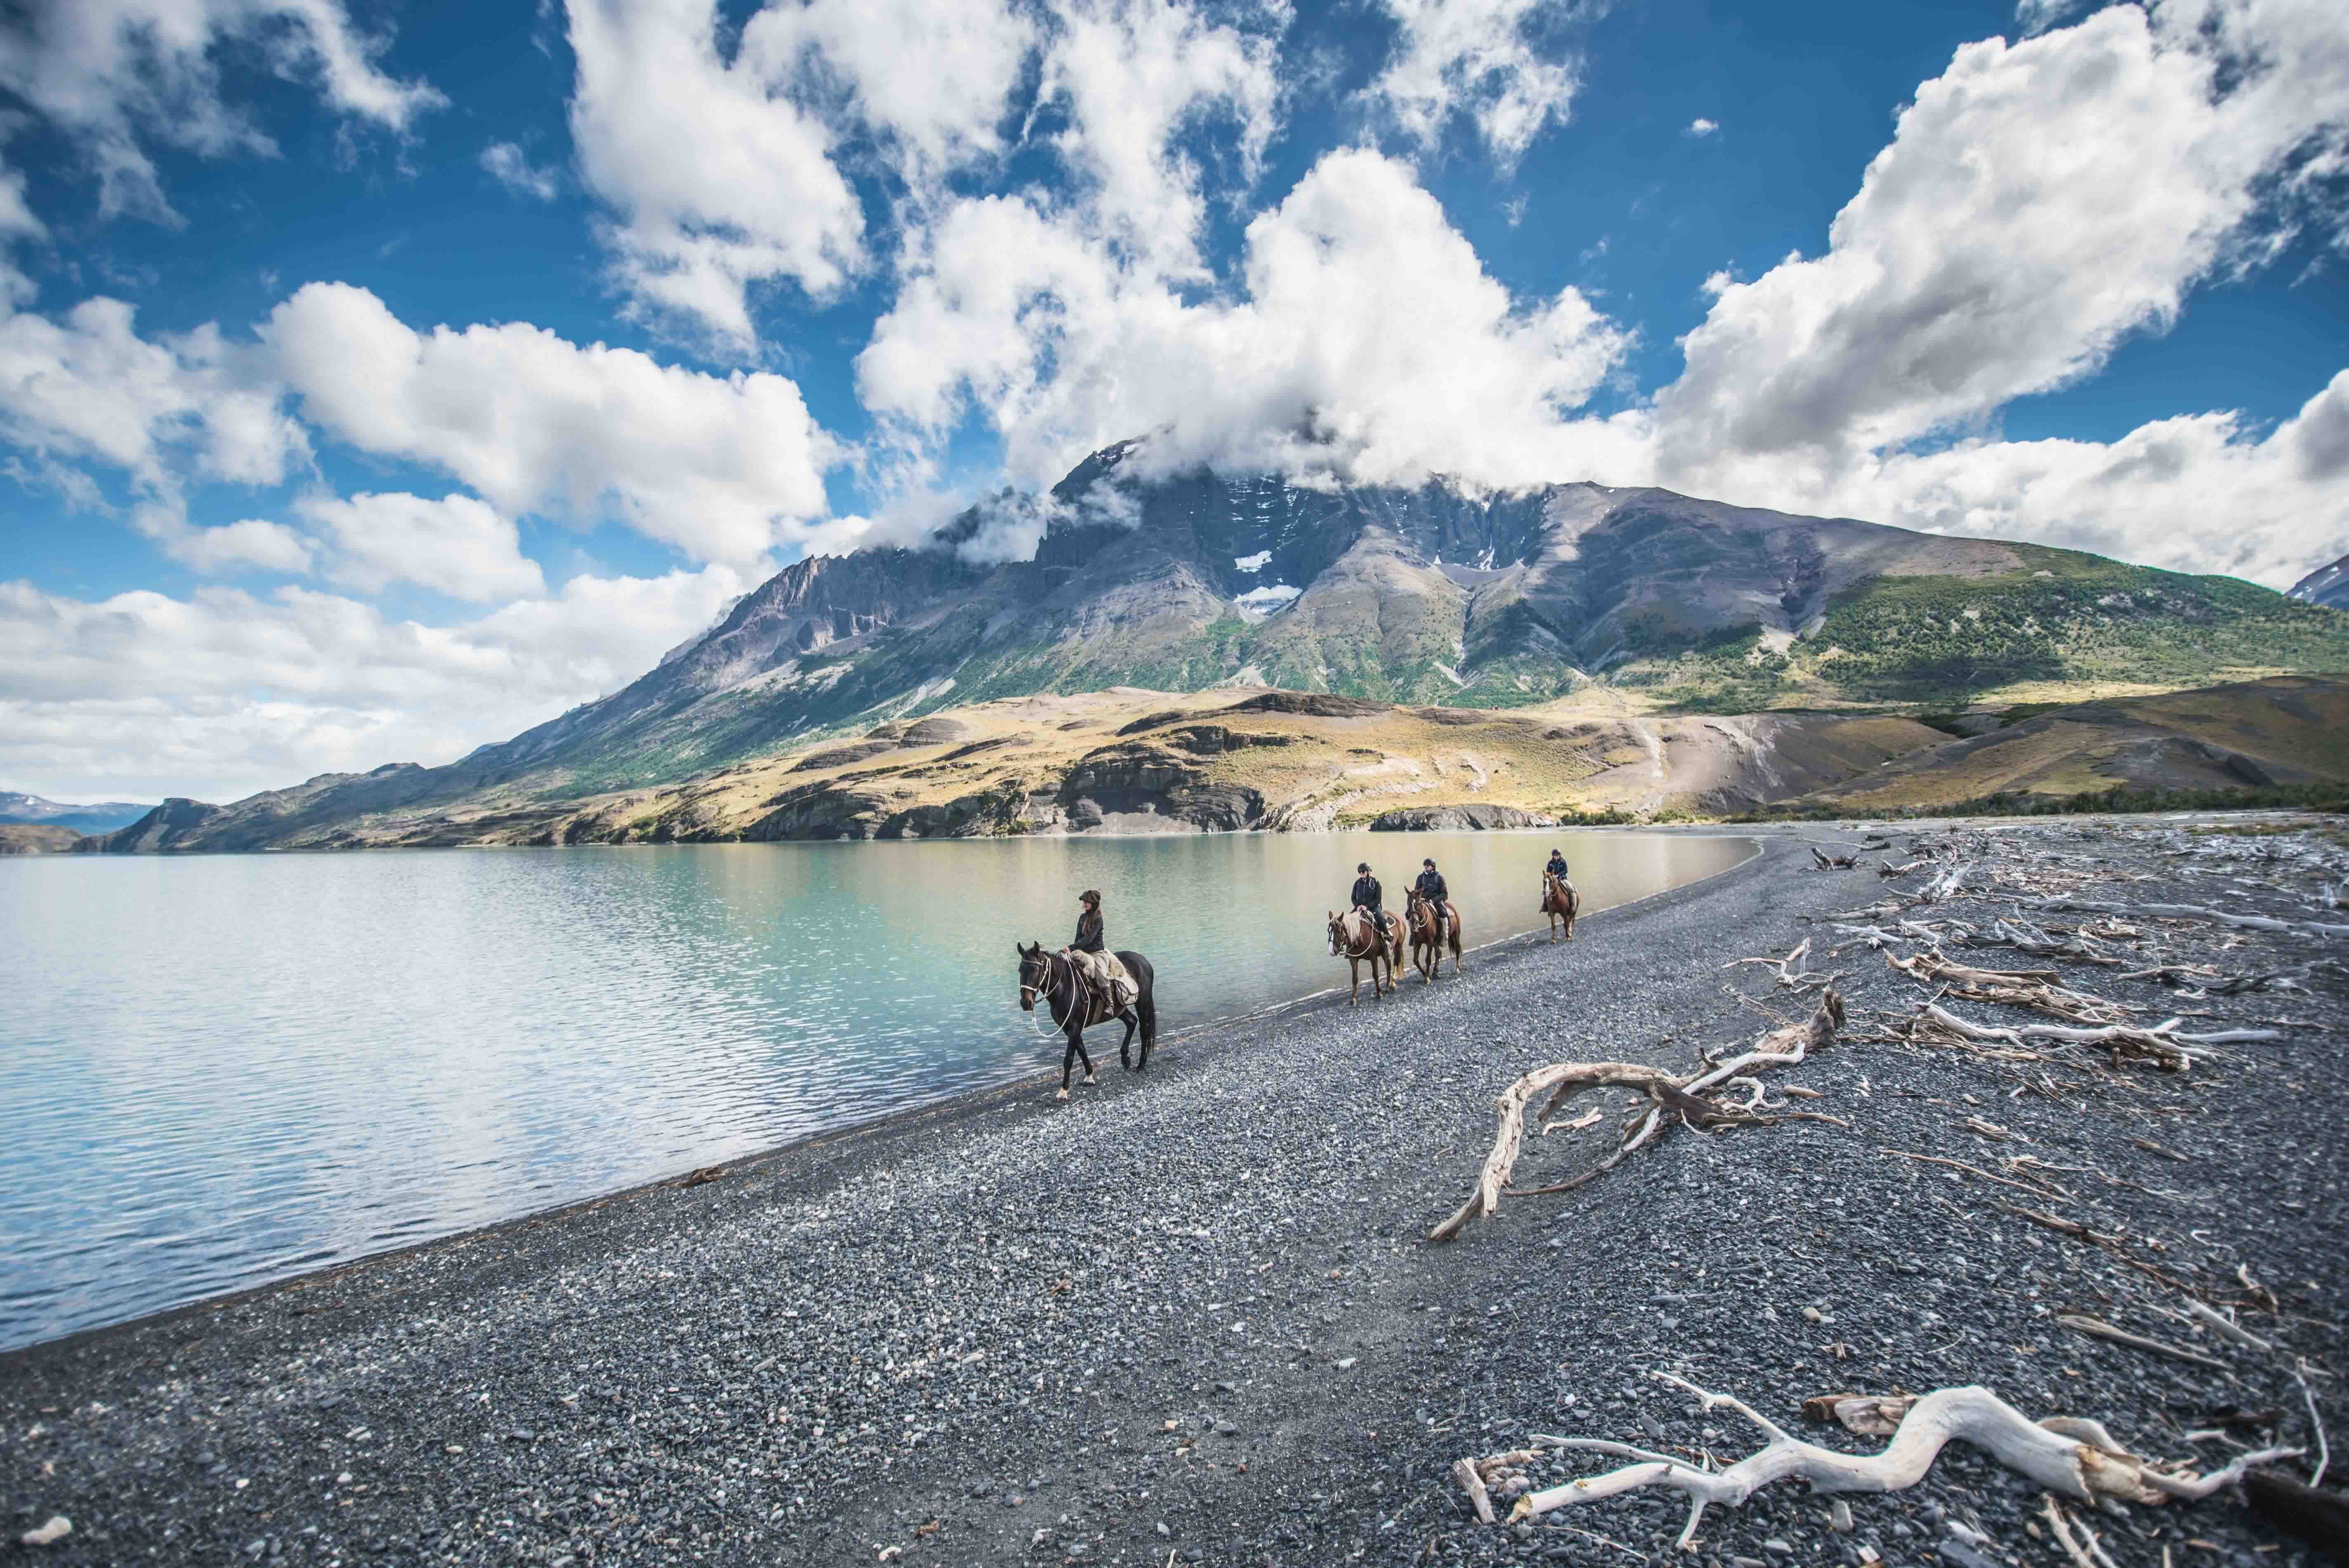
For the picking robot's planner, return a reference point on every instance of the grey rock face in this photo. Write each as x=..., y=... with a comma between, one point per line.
x=1430, y=819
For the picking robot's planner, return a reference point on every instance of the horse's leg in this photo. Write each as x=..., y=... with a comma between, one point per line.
x=1131, y=1024
x=1068, y=1061
x=1077, y=1043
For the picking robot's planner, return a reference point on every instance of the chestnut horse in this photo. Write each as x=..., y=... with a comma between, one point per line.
x=1053, y=979
x=1353, y=939
x=1429, y=932
x=1560, y=900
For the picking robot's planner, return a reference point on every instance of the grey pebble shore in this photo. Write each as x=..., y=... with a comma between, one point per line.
x=1189, y=1317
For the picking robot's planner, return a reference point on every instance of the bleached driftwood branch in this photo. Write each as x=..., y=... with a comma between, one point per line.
x=2078, y=1458
x=2195, y=912
x=1792, y=975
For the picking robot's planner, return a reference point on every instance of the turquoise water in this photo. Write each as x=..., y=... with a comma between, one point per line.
x=221, y=1070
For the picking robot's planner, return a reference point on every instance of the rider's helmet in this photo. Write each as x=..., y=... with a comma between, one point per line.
x=1364, y=868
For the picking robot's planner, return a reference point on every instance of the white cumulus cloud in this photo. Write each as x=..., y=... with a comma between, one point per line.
x=1367, y=342
x=511, y=168
x=724, y=467
x=114, y=73
x=224, y=692
x=1487, y=59
x=455, y=545
x=717, y=179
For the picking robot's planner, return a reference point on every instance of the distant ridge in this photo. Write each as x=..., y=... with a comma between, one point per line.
x=102, y=817
x=1431, y=595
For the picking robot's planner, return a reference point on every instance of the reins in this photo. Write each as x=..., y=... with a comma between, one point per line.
x=1044, y=995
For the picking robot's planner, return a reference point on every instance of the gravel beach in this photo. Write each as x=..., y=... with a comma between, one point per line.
x=1190, y=1316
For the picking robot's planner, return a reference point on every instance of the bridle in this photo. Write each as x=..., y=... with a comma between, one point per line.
x=1337, y=940
x=1030, y=995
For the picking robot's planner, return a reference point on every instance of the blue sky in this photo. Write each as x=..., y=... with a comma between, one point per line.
x=315, y=461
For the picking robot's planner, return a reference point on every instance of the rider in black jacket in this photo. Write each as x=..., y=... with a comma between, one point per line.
x=1556, y=868
x=1430, y=887
x=1089, y=924
x=1368, y=897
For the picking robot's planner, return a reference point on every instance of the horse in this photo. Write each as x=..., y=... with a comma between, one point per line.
x=1353, y=939
x=1055, y=979
x=1559, y=900
x=1428, y=933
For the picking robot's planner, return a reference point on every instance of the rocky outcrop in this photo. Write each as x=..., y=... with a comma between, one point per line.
x=38, y=839
x=164, y=828
x=1433, y=819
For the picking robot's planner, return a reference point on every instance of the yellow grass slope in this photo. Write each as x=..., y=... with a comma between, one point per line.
x=2287, y=729
x=1131, y=761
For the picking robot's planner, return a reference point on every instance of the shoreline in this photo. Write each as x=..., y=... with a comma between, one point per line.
x=1191, y=1316
x=968, y=1101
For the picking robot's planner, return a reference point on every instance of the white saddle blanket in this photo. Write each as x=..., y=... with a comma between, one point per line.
x=1113, y=988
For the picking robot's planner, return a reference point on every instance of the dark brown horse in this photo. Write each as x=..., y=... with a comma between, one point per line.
x=1052, y=979
x=1353, y=939
x=1560, y=902
x=1430, y=929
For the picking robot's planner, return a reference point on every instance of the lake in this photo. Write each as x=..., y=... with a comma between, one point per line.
x=221, y=1070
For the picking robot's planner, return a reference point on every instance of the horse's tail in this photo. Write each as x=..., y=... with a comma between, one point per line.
x=1145, y=994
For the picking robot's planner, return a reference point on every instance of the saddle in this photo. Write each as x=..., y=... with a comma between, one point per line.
x=1110, y=988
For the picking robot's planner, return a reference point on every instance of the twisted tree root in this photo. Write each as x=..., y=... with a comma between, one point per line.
x=1683, y=1100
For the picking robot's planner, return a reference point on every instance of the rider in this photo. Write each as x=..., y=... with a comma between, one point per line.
x=1556, y=868
x=1430, y=887
x=1368, y=897
x=1090, y=953
x=1089, y=923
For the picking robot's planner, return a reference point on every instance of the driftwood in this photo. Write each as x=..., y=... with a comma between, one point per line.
x=1791, y=975
x=1834, y=863
x=2075, y=1458
x=2100, y=1329
x=2199, y=981
x=2196, y=912
x=1681, y=1099
x=2162, y=1045
x=2020, y=988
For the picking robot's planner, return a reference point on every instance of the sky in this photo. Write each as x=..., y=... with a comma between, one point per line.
x=376, y=381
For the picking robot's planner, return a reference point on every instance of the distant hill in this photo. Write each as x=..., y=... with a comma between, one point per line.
x=102, y=818
x=2327, y=586
x=1430, y=596
x=2281, y=731
x=38, y=839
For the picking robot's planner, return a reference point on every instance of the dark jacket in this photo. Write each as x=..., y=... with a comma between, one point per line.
x=1089, y=932
x=1557, y=866
x=1368, y=894
x=1429, y=886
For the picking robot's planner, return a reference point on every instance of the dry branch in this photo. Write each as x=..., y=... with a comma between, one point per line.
x=1681, y=1099
x=2160, y=1045
x=2194, y=911
x=2100, y=1329
x=2076, y=1458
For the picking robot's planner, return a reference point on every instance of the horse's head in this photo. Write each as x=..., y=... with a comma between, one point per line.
x=1033, y=974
